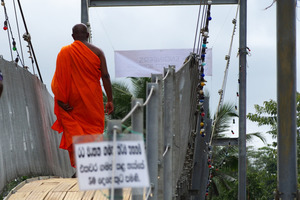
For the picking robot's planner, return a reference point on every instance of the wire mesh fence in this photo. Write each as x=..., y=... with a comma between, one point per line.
x=28, y=146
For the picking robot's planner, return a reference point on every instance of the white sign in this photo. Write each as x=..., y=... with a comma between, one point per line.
x=94, y=164
x=143, y=63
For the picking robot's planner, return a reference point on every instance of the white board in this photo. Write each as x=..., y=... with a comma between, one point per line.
x=94, y=162
x=143, y=63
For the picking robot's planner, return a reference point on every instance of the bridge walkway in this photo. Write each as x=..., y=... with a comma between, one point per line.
x=58, y=189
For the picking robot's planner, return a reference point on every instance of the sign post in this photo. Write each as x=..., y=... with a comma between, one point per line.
x=95, y=166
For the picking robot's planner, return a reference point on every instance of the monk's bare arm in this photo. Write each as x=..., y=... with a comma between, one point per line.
x=106, y=83
x=64, y=106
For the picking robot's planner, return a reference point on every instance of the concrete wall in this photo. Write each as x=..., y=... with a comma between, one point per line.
x=28, y=145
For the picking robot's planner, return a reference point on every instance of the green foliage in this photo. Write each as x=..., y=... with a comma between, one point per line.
x=11, y=185
x=261, y=173
x=224, y=184
x=264, y=159
x=266, y=115
x=229, y=194
x=258, y=135
x=224, y=117
x=140, y=86
x=122, y=97
x=224, y=174
x=263, y=169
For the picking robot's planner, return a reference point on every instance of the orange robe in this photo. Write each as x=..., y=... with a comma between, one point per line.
x=77, y=82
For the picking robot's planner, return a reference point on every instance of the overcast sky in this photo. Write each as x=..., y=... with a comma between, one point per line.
x=137, y=28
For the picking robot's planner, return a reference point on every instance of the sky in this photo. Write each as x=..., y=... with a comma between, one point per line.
x=167, y=27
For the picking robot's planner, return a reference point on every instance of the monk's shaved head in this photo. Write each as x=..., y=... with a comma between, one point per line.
x=80, y=32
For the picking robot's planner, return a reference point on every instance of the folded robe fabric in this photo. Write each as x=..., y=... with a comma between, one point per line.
x=77, y=82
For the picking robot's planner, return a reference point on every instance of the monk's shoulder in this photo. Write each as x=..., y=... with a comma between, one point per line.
x=95, y=49
x=63, y=52
x=64, y=49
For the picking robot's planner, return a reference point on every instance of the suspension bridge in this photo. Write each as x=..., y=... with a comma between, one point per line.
x=178, y=147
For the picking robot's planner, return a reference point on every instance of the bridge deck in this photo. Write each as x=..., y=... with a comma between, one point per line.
x=58, y=189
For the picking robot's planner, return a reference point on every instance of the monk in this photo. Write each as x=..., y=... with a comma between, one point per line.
x=77, y=91
x=1, y=84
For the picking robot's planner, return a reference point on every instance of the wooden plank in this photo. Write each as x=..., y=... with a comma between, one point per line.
x=36, y=195
x=46, y=186
x=19, y=195
x=75, y=188
x=64, y=186
x=61, y=189
x=126, y=193
x=101, y=194
x=28, y=187
x=88, y=195
x=55, y=196
x=74, y=196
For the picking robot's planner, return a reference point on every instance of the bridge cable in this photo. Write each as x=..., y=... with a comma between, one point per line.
x=7, y=26
x=222, y=91
x=202, y=29
x=29, y=41
x=9, y=42
x=197, y=26
x=14, y=3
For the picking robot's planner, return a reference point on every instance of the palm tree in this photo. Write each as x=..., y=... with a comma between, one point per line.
x=223, y=177
x=123, y=94
x=140, y=86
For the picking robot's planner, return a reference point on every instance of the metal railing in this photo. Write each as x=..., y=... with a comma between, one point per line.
x=170, y=120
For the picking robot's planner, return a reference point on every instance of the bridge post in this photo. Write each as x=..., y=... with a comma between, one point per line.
x=286, y=99
x=242, y=100
x=157, y=78
x=105, y=3
x=137, y=123
x=111, y=126
x=84, y=12
x=152, y=129
x=169, y=108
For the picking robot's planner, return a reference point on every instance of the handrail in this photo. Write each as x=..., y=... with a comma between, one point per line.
x=138, y=105
x=149, y=96
x=166, y=75
x=132, y=110
x=167, y=149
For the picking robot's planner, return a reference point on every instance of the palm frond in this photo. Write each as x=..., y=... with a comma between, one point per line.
x=140, y=86
x=231, y=165
x=122, y=100
x=224, y=115
x=224, y=181
x=250, y=136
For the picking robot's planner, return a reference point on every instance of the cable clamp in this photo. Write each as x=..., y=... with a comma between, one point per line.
x=27, y=37
x=245, y=50
x=234, y=21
